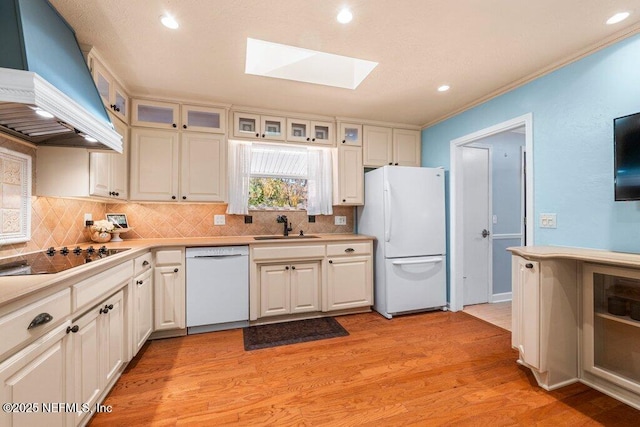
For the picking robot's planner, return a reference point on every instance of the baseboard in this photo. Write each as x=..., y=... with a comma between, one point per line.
x=505, y=296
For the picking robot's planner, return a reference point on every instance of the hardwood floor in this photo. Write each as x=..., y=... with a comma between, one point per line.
x=498, y=313
x=438, y=368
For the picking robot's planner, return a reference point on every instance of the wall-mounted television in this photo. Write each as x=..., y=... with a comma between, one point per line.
x=626, y=131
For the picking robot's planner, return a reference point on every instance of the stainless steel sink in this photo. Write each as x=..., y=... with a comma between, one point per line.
x=280, y=237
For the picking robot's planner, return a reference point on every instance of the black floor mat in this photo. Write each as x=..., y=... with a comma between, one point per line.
x=265, y=336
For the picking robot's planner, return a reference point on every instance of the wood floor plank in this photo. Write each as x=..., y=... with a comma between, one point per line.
x=437, y=368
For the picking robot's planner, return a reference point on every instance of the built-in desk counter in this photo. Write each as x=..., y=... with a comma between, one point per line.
x=572, y=318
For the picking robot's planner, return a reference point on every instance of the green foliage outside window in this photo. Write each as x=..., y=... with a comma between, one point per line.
x=277, y=193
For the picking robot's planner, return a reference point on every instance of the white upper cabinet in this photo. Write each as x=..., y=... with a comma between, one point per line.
x=349, y=134
x=156, y=114
x=154, y=165
x=166, y=115
x=202, y=168
x=203, y=119
x=113, y=95
x=406, y=147
x=108, y=171
x=255, y=126
x=386, y=146
x=348, y=176
x=309, y=131
x=377, y=146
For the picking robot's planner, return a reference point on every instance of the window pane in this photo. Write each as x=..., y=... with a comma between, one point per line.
x=273, y=193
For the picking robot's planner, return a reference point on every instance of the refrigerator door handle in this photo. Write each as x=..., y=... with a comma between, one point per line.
x=422, y=261
x=387, y=211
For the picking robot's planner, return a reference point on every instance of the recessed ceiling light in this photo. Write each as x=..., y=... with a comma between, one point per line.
x=90, y=138
x=345, y=16
x=43, y=113
x=618, y=17
x=169, y=21
x=443, y=88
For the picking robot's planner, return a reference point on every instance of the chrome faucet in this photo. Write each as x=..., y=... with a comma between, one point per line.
x=287, y=225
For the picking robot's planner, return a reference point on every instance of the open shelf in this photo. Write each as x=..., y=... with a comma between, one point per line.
x=622, y=319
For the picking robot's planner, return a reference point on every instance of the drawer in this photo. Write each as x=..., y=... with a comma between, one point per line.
x=267, y=253
x=170, y=256
x=92, y=289
x=142, y=263
x=355, y=248
x=14, y=326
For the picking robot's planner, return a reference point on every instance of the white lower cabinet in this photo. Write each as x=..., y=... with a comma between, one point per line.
x=349, y=276
x=289, y=288
x=99, y=343
x=545, y=319
x=169, y=290
x=40, y=373
x=142, y=309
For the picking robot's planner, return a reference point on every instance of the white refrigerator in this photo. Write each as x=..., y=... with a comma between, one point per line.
x=404, y=210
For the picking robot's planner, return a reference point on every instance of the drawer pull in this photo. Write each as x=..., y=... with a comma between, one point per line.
x=73, y=329
x=145, y=263
x=348, y=250
x=40, y=319
x=528, y=265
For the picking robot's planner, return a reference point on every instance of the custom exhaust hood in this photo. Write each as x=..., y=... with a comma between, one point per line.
x=47, y=95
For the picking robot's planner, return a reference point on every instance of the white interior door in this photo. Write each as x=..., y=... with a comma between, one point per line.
x=476, y=228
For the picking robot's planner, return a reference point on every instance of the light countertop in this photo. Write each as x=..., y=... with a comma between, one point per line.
x=581, y=254
x=15, y=287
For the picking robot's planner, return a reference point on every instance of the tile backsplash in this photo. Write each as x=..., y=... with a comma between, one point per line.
x=151, y=220
x=59, y=222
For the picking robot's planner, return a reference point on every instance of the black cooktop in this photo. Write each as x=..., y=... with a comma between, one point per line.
x=53, y=261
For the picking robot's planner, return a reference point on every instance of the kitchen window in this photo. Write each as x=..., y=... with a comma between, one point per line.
x=279, y=177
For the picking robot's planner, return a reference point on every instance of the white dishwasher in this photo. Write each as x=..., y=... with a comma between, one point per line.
x=217, y=288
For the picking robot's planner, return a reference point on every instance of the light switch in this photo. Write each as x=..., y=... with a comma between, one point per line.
x=219, y=220
x=548, y=220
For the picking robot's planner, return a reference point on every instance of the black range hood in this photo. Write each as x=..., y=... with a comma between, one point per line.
x=47, y=95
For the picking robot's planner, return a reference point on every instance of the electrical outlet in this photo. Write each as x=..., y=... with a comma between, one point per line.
x=548, y=220
x=219, y=220
x=340, y=220
x=88, y=220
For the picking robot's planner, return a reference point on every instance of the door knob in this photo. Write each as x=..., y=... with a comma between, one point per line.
x=485, y=233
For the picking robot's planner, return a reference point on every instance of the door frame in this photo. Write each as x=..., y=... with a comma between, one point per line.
x=489, y=149
x=456, y=293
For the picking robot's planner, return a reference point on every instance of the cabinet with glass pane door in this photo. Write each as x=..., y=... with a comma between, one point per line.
x=258, y=127
x=611, y=331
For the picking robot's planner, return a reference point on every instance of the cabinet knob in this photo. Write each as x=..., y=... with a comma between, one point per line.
x=390, y=163
x=104, y=310
x=528, y=265
x=344, y=200
x=173, y=197
x=145, y=263
x=184, y=197
x=73, y=329
x=396, y=164
x=139, y=282
x=175, y=270
x=263, y=135
x=113, y=106
x=308, y=139
x=257, y=135
x=330, y=262
x=115, y=193
x=293, y=267
x=111, y=193
x=174, y=125
x=313, y=139
x=343, y=141
x=184, y=126
x=287, y=267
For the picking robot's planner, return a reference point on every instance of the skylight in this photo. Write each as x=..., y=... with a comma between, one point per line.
x=304, y=65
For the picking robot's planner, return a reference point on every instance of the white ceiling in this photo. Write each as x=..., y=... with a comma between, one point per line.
x=478, y=47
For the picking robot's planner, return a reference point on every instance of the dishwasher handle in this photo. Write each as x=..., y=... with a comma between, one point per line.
x=218, y=256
